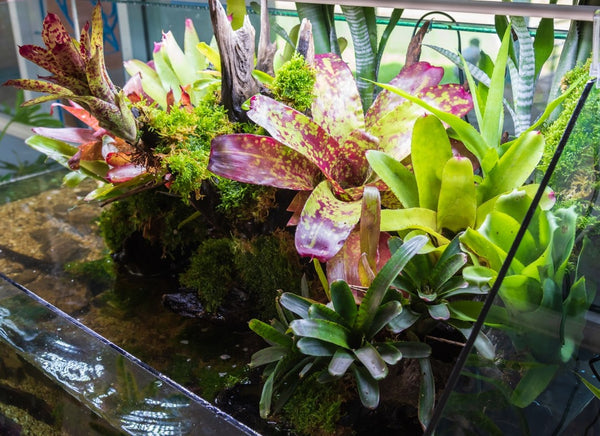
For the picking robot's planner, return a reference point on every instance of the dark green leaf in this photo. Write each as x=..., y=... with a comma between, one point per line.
x=390, y=354
x=368, y=388
x=384, y=315
x=383, y=280
x=268, y=355
x=403, y=321
x=543, y=45
x=372, y=361
x=343, y=301
x=439, y=311
x=413, y=349
x=324, y=330
x=296, y=304
x=426, y=393
x=340, y=362
x=533, y=383
x=320, y=311
x=315, y=347
x=270, y=333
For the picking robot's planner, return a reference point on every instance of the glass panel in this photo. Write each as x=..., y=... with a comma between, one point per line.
x=125, y=393
x=543, y=322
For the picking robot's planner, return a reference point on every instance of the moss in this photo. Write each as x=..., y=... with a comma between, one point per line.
x=267, y=264
x=575, y=178
x=315, y=408
x=294, y=83
x=243, y=202
x=260, y=266
x=99, y=273
x=211, y=272
x=155, y=216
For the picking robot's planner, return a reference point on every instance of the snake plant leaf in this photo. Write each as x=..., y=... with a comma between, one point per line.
x=383, y=316
x=457, y=202
x=343, y=301
x=296, y=304
x=268, y=355
x=532, y=384
x=270, y=333
x=514, y=167
x=324, y=330
x=403, y=321
x=384, y=279
x=368, y=388
x=321, y=311
x=325, y=223
x=323, y=29
x=396, y=176
x=363, y=28
x=372, y=361
x=336, y=106
x=316, y=347
x=272, y=164
x=340, y=362
x=390, y=354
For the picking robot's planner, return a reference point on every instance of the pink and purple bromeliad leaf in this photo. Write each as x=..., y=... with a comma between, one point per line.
x=323, y=156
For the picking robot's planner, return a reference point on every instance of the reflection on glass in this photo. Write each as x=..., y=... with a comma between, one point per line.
x=125, y=394
x=543, y=322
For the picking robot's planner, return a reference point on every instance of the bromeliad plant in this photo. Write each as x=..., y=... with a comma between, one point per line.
x=335, y=338
x=323, y=155
x=78, y=73
x=543, y=303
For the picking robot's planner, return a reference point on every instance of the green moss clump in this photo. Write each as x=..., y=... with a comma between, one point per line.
x=315, y=408
x=241, y=202
x=98, y=273
x=260, y=266
x=294, y=83
x=181, y=138
x=575, y=178
x=265, y=265
x=157, y=217
x=211, y=272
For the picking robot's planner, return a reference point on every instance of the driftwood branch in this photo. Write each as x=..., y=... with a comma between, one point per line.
x=266, y=48
x=413, y=52
x=306, y=45
x=237, y=61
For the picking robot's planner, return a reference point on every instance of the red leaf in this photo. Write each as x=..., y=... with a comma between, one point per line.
x=76, y=135
x=337, y=107
x=261, y=160
x=325, y=223
x=124, y=173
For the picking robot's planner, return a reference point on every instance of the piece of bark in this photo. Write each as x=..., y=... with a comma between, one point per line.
x=266, y=48
x=237, y=61
x=413, y=52
x=306, y=45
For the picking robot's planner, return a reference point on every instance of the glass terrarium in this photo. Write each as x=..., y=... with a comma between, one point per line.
x=397, y=233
